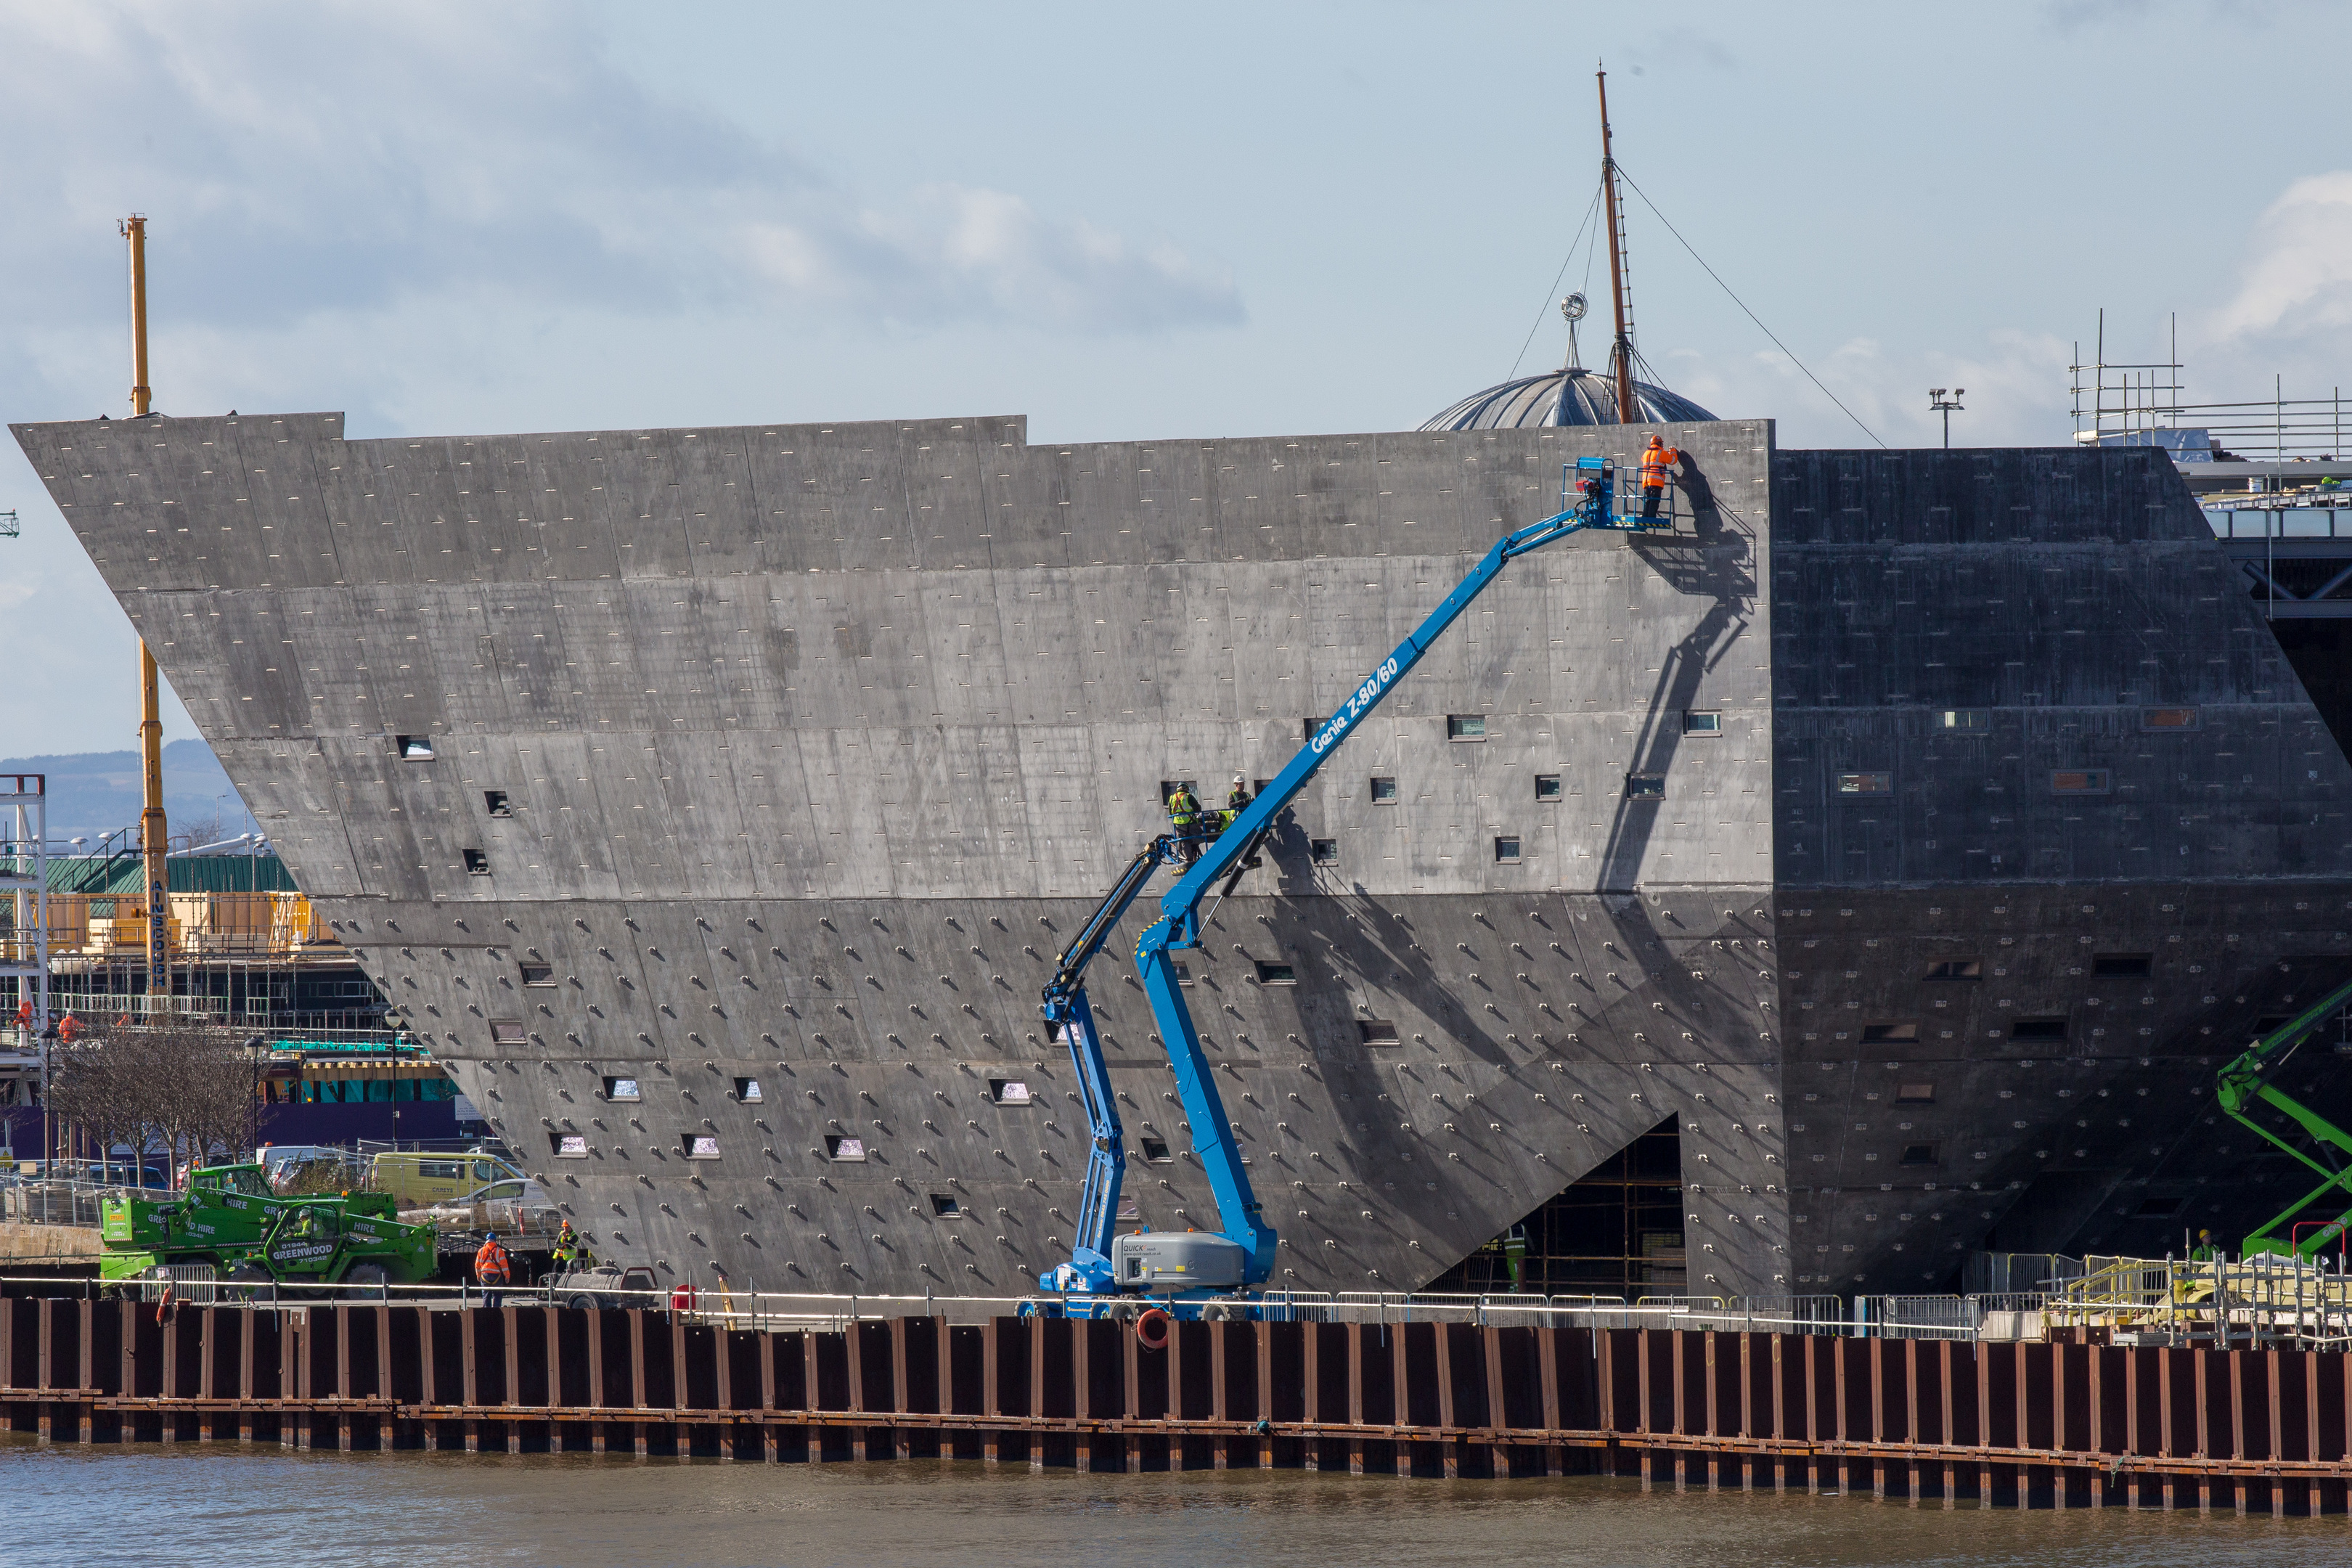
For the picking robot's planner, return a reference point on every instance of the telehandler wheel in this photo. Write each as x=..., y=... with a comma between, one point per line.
x=370, y=1275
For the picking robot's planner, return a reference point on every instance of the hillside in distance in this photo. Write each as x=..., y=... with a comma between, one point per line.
x=92, y=794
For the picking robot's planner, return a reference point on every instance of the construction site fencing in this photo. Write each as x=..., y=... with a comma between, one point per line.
x=54, y=1202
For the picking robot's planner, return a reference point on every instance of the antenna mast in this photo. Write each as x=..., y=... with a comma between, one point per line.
x=1621, y=353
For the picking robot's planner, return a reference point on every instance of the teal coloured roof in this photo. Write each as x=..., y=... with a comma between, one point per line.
x=117, y=875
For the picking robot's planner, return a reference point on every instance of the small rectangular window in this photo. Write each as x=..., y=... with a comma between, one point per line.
x=2038, y=1029
x=1507, y=850
x=944, y=1207
x=1277, y=974
x=1645, y=786
x=1866, y=784
x=508, y=1032
x=1956, y=969
x=2123, y=965
x=1546, y=786
x=747, y=1090
x=415, y=748
x=495, y=801
x=2157, y=1208
x=698, y=1146
x=621, y=1088
x=1376, y=1031
x=1383, y=790
x=1915, y=1093
x=1170, y=786
x=1326, y=851
x=476, y=863
x=1919, y=1155
x=1307, y=727
x=1008, y=1090
x=1466, y=726
x=844, y=1150
x=1890, y=1033
x=568, y=1146
x=1698, y=722
x=1183, y=972
x=1964, y=718
x=2167, y=718
x=2081, y=781
x=1155, y=1151
x=537, y=973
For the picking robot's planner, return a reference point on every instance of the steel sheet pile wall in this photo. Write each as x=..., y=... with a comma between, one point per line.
x=2027, y=1425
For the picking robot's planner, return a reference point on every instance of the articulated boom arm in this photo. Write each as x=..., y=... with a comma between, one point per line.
x=1224, y=858
x=1073, y=1020
x=2245, y=1081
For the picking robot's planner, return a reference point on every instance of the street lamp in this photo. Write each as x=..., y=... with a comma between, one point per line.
x=1937, y=402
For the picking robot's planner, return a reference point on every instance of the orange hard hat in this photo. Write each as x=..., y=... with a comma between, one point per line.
x=1656, y=442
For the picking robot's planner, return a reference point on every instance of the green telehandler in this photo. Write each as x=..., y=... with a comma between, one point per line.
x=230, y=1221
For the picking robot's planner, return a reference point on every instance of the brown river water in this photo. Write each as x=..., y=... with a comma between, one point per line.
x=151, y=1506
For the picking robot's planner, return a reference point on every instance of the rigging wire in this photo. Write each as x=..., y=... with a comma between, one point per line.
x=1554, y=297
x=1735, y=300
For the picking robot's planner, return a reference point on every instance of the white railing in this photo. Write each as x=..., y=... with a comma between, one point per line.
x=2260, y=1301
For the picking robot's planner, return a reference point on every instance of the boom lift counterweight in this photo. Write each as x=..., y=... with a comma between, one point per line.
x=1110, y=1275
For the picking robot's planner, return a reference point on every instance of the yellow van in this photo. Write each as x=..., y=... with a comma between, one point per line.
x=418, y=1181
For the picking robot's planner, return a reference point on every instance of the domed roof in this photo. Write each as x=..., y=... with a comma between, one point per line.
x=1572, y=395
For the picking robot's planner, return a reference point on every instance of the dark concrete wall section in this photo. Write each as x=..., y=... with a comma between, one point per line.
x=1972, y=632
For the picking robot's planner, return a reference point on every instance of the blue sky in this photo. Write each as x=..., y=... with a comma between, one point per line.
x=1126, y=222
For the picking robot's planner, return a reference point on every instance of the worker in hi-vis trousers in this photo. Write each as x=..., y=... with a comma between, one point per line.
x=1656, y=458
x=1184, y=816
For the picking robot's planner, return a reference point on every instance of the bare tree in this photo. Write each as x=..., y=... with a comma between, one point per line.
x=185, y=1087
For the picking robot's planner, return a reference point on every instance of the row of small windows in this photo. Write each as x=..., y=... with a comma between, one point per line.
x=629, y=1090
x=1326, y=851
x=2062, y=780
x=2152, y=720
x=1473, y=726
x=2103, y=966
x=1908, y=1033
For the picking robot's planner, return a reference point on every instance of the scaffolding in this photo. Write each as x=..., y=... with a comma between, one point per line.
x=2121, y=402
x=25, y=877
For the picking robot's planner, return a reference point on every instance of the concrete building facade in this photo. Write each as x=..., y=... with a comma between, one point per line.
x=1916, y=828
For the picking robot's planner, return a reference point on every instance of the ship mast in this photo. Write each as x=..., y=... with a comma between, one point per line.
x=1621, y=353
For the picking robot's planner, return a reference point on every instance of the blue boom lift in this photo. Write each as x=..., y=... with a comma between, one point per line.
x=1185, y=1271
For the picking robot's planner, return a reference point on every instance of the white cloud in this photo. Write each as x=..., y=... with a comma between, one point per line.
x=2015, y=392
x=2299, y=276
x=299, y=158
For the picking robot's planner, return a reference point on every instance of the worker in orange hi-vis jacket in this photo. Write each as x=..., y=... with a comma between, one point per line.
x=1657, y=457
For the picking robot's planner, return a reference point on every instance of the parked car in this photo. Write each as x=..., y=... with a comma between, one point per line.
x=516, y=1204
x=417, y=1180
x=275, y=1158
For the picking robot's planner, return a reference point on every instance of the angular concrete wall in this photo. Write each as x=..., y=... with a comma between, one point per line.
x=814, y=741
